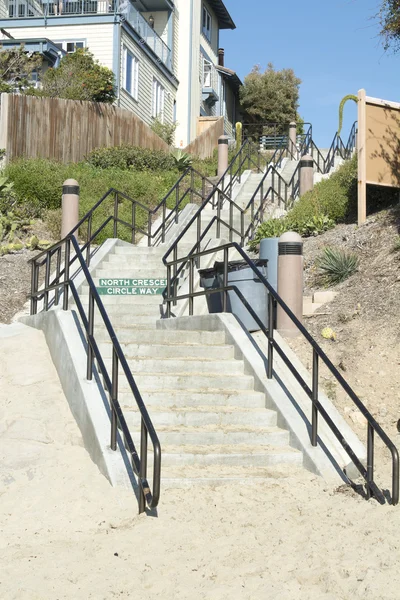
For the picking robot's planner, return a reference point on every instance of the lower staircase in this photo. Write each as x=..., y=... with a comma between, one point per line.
x=212, y=424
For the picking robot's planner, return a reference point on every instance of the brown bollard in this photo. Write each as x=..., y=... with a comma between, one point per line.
x=306, y=174
x=290, y=281
x=292, y=141
x=222, y=154
x=70, y=207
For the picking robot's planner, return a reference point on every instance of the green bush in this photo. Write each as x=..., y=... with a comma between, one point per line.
x=336, y=265
x=130, y=157
x=166, y=131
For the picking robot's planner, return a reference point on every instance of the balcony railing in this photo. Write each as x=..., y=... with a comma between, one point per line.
x=22, y=9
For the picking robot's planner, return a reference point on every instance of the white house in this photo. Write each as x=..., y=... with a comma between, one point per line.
x=206, y=87
x=164, y=53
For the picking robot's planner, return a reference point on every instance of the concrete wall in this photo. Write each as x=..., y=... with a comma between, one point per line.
x=67, y=130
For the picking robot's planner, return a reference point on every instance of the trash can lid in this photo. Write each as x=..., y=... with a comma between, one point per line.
x=238, y=265
x=209, y=271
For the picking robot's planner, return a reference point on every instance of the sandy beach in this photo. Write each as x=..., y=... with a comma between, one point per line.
x=66, y=534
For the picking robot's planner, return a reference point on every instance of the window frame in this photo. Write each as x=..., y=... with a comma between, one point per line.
x=206, y=23
x=62, y=44
x=207, y=74
x=158, y=100
x=129, y=56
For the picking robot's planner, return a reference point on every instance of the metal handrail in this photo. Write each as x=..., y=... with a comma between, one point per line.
x=171, y=296
x=139, y=463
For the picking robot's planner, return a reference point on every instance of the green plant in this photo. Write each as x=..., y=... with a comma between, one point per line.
x=16, y=67
x=79, y=77
x=52, y=219
x=182, y=160
x=336, y=265
x=313, y=226
x=166, y=131
x=131, y=157
x=341, y=107
x=268, y=229
x=239, y=135
x=396, y=245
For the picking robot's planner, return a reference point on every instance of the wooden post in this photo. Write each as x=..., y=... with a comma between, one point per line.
x=362, y=158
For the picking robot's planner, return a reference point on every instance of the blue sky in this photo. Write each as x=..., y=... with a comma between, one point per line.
x=332, y=45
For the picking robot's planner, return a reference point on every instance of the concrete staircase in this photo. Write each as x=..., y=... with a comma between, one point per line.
x=212, y=424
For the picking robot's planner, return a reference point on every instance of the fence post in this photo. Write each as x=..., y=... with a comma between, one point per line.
x=306, y=174
x=290, y=281
x=222, y=154
x=70, y=207
x=292, y=141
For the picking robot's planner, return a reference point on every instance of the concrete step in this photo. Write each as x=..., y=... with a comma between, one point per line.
x=195, y=398
x=215, y=416
x=164, y=350
x=124, y=260
x=239, y=455
x=129, y=320
x=169, y=366
x=229, y=435
x=160, y=336
x=189, y=381
x=108, y=301
x=135, y=310
x=130, y=272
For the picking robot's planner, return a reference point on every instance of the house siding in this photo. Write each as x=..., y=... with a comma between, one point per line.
x=147, y=71
x=98, y=38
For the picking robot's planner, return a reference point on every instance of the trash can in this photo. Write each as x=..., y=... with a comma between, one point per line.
x=247, y=282
x=209, y=280
x=269, y=252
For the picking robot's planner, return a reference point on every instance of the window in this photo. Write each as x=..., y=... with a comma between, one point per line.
x=206, y=23
x=130, y=70
x=207, y=70
x=70, y=45
x=158, y=100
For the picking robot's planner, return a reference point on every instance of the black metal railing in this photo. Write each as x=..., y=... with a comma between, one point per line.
x=64, y=284
x=172, y=296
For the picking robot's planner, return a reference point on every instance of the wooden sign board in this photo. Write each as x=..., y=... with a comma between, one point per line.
x=378, y=146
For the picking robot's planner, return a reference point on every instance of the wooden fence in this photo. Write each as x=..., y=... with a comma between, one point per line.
x=205, y=144
x=67, y=130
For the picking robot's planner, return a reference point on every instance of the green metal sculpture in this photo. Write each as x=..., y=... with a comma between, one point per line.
x=341, y=107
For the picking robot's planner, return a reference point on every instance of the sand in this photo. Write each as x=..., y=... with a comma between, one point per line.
x=66, y=534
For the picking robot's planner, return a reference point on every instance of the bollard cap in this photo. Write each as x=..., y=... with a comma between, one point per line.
x=292, y=124
x=70, y=186
x=290, y=243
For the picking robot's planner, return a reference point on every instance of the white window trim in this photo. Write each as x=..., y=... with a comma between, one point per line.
x=134, y=91
x=206, y=31
x=158, y=103
x=64, y=43
x=207, y=74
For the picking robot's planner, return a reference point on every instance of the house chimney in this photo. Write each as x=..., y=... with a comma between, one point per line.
x=221, y=55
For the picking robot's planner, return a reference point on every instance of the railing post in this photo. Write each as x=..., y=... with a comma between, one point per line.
x=176, y=202
x=370, y=458
x=242, y=228
x=198, y=259
x=230, y=221
x=191, y=185
x=58, y=269
x=149, y=229
x=88, y=239
x=47, y=280
x=314, y=419
x=168, y=291
x=70, y=207
x=191, y=286
x=164, y=212
x=114, y=398
x=225, y=292
x=218, y=233
x=34, y=287
x=67, y=256
x=133, y=222
x=115, y=228
x=175, y=268
x=143, y=466
x=89, y=367
x=271, y=320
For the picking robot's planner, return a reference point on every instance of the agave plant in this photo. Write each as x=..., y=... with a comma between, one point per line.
x=337, y=265
x=182, y=160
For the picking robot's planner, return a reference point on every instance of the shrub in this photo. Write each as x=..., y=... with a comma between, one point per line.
x=131, y=157
x=336, y=265
x=52, y=219
x=166, y=131
x=182, y=160
x=268, y=229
